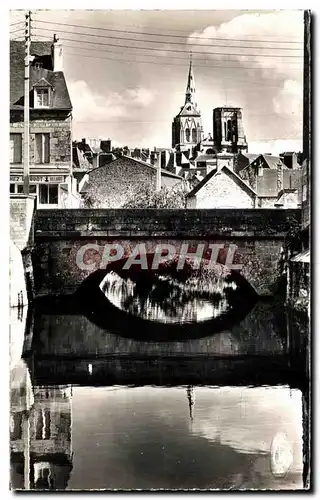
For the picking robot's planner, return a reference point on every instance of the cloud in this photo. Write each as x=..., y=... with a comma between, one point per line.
x=269, y=89
x=140, y=96
x=289, y=98
x=92, y=106
x=276, y=26
x=275, y=147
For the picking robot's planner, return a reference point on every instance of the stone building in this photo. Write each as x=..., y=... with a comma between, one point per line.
x=114, y=184
x=51, y=177
x=228, y=131
x=194, y=156
x=275, y=184
x=222, y=188
x=187, y=126
x=43, y=436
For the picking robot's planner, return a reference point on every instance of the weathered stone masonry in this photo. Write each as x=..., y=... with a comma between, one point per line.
x=258, y=234
x=59, y=128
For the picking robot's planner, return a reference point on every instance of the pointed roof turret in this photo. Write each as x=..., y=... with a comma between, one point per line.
x=191, y=89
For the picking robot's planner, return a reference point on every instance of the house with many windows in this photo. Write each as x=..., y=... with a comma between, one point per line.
x=50, y=154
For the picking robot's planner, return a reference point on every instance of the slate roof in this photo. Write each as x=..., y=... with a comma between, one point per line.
x=60, y=96
x=205, y=157
x=251, y=156
x=215, y=172
x=271, y=161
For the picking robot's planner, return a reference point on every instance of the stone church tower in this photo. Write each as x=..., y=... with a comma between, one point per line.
x=186, y=126
x=228, y=131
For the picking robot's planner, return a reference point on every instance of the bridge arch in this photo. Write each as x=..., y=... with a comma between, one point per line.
x=64, y=237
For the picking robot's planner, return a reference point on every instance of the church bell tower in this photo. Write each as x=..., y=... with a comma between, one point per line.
x=186, y=126
x=228, y=131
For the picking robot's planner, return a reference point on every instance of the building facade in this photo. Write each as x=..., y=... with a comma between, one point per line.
x=222, y=188
x=277, y=185
x=50, y=153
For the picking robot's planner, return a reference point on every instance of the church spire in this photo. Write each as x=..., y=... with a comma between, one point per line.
x=191, y=90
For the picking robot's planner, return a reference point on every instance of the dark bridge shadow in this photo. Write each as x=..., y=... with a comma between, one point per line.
x=167, y=295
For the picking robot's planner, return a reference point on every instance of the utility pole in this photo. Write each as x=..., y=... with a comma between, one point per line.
x=26, y=136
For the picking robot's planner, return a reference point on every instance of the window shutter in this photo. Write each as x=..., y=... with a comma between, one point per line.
x=38, y=148
x=11, y=149
x=15, y=148
x=46, y=147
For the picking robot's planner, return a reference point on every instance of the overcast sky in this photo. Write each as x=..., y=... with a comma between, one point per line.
x=131, y=95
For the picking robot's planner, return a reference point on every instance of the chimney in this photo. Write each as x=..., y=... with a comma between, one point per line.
x=57, y=54
x=105, y=146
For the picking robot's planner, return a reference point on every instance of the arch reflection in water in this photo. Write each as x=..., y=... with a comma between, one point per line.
x=166, y=299
x=170, y=295
x=167, y=303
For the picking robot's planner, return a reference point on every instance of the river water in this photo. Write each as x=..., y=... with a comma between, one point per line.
x=114, y=409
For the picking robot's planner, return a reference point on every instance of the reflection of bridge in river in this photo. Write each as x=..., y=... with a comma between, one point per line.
x=69, y=349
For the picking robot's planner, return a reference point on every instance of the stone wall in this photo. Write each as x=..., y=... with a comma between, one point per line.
x=61, y=236
x=22, y=210
x=113, y=185
x=21, y=219
x=222, y=191
x=59, y=128
x=17, y=284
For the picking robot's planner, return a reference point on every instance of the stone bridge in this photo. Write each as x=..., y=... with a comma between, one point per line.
x=70, y=244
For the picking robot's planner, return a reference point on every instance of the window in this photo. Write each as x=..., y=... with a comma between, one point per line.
x=42, y=98
x=18, y=188
x=194, y=135
x=187, y=134
x=43, y=423
x=15, y=148
x=48, y=194
x=42, y=148
x=16, y=426
x=229, y=130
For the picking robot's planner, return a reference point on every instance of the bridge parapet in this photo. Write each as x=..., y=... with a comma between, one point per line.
x=75, y=223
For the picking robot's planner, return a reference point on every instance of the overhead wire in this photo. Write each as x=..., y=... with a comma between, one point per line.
x=16, y=31
x=167, y=34
x=195, y=59
x=157, y=55
x=161, y=42
x=172, y=64
x=156, y=49
x=18, y=22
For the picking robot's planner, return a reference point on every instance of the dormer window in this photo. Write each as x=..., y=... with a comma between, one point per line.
x=42, y=97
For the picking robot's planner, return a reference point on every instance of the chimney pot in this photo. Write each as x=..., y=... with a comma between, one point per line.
x=57, y=54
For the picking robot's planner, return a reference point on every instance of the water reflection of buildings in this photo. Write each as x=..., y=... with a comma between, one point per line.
x=40, y=438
